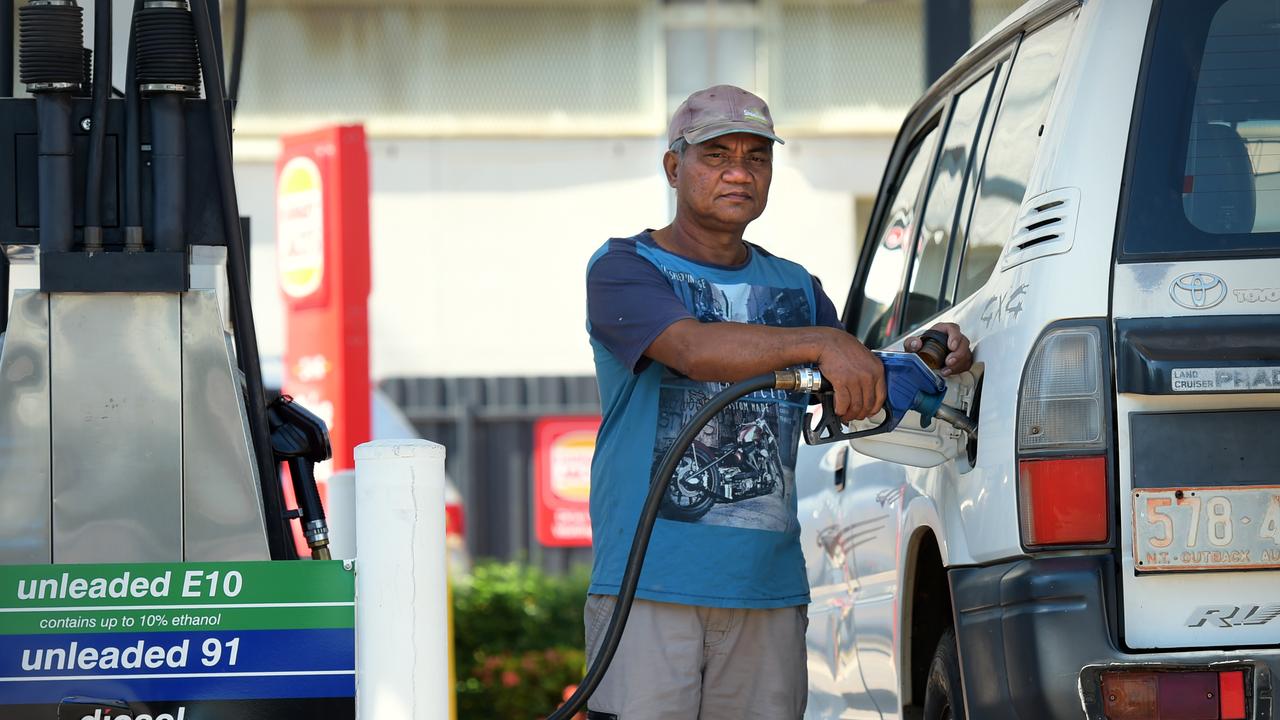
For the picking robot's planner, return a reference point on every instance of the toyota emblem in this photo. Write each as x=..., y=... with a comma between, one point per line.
x=1198, y=290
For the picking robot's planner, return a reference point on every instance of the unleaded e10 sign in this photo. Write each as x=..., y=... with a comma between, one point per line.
x=224, y=641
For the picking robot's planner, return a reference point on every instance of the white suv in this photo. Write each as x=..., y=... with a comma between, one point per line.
x=1093, y=194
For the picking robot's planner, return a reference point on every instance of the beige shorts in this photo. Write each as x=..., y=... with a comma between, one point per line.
x=681, y=662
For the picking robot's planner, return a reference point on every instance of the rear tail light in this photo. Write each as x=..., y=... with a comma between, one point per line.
x=1061, y=401
x=1130, y=695
x=1063, y=434
x=1174, y=695
x=1231, y=695
x=1064, y=500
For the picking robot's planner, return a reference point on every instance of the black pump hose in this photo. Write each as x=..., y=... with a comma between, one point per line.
x=6, y=49
x=803, y=380
x=133, y=144
x=98, y=124
x=237, y=51
x=246, y=337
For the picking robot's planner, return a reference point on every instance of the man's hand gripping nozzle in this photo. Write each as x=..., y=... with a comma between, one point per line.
x=911, y=383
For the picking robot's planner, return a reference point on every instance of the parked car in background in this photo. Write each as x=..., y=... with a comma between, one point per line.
x=1093, y=193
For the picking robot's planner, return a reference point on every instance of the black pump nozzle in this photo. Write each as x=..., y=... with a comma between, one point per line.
x=301, y=439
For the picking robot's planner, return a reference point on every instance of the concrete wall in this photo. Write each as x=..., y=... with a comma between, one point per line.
x=480, y=246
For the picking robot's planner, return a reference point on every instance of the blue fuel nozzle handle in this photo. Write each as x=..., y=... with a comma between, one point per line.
x=911, y=386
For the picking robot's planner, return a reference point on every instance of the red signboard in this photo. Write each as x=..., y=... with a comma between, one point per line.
x=322, y=240
x=562, y=449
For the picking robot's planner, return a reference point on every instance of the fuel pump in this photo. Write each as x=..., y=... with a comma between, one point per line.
x=912, y=386
x=131, y=398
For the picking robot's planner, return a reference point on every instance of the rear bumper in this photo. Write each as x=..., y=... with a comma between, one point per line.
x=1033, y=633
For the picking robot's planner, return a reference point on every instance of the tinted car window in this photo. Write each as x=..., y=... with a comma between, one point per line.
x=941, y=204
x=1205, y=165
x=1014, y=142
x=875, y=323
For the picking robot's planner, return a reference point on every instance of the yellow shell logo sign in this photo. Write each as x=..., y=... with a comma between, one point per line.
x=300, y=227
x=571, y=465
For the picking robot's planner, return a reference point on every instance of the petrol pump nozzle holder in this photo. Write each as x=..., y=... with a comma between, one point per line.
x=301, y=439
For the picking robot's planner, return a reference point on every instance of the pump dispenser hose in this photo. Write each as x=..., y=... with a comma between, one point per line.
x=912, y=386
x=246, y=335
x=802, y=380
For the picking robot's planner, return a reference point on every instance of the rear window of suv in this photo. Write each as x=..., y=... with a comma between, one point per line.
x=1204, y=173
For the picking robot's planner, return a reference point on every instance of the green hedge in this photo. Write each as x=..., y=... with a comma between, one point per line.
x=518, y=638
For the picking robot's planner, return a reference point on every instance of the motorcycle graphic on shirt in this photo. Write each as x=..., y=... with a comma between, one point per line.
x=739, y=471
x=747, y=468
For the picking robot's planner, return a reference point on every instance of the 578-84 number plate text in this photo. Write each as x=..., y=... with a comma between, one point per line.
x=1206, y=528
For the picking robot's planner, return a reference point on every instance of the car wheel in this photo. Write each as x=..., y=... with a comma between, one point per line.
x=943, y=699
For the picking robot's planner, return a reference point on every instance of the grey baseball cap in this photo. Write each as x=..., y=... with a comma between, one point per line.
x=720, y=110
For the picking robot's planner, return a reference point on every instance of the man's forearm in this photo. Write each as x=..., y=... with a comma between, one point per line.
x=730, y=351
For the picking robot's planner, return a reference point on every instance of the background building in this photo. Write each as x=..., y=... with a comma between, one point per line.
x=510, y=138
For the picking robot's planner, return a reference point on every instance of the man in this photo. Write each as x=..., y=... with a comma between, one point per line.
x=717, y=630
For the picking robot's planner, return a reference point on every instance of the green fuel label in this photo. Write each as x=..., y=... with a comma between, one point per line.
x=190, y=633
x=60, y=586
x=60, y=599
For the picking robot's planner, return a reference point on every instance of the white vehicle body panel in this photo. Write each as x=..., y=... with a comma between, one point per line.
x=859, y=622
x=972, y=512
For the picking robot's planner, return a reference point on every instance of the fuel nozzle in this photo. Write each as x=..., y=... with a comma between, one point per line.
x=933, y=351
x=301, y=439
x=913, y=385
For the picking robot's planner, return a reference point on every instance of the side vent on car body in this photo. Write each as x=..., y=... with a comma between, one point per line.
x=1046, y=226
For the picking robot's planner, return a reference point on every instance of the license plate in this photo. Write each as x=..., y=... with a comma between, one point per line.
x=1206, y=528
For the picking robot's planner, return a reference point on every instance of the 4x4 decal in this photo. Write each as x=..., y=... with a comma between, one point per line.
x=1004, y=305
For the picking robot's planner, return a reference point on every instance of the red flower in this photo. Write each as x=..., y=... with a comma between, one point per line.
x=510, y=678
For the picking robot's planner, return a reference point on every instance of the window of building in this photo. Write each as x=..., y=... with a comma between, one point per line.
x=987, y=14
x=842, y=63
x=708, y=44
x=455, y=65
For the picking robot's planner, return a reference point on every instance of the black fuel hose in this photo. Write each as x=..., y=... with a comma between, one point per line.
x=246, y=337
x=133, y=143
x=6, y=49
x=237, y=51
x=803, y=380
x=98, y=124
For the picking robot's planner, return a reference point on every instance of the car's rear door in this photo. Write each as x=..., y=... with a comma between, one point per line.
x=878, y=490
x=1196, y=307
x=839, y=521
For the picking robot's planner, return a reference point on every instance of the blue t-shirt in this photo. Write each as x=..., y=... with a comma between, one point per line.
x=728, y=535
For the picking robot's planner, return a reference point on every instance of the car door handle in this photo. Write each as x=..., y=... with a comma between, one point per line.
x=842, y=467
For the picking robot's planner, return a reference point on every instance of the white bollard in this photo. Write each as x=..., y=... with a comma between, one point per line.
x=402, y=652
x=341, y=513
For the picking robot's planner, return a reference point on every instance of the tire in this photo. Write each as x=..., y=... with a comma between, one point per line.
x=943, y=697
x=689, y=504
